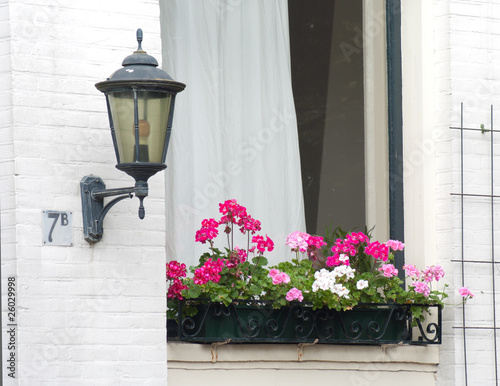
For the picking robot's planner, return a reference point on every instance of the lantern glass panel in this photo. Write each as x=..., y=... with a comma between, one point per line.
x=153, y=109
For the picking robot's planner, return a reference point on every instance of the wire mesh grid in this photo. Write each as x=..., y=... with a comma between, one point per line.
x=478, y=233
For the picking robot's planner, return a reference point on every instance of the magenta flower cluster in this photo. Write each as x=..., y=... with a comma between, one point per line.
x=348, y=247
x=208, y=231
x=356, y=242
x=233, y=214
x=210, y=271
x=175, y=271
x=236, y=257
x=377, y=250
x=315, y=242
x=263, y=243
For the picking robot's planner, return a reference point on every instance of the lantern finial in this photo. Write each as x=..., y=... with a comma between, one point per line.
x=139, y=39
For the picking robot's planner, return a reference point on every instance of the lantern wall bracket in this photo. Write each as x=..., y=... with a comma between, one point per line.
x=93, y=191
x=140, y=99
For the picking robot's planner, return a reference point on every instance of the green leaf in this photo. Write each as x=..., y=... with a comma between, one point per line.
x=379, y=281
x=190, y=310
x=254, y=290
x=260, y=261
x=194, y=292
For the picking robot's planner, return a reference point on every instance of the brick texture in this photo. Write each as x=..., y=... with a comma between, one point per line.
x=466, y=44
x=86, y=314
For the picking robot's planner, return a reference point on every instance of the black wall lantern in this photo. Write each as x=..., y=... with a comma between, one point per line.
x=140, y=99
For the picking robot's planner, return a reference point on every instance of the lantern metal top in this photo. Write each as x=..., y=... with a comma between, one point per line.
x=140, y=69
x=139, y=56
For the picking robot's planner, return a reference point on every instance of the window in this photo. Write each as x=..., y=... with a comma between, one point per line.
x=329, y=80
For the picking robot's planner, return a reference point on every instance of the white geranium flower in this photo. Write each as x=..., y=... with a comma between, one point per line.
x=362, y=284
x=343, y=257
x=344, y=270
x=341, y=291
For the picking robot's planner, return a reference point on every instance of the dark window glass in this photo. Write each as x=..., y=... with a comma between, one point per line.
x=327, y=78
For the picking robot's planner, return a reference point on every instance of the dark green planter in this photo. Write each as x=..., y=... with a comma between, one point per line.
x=258, y=322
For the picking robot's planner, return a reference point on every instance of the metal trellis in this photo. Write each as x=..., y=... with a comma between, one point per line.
x=487, y=198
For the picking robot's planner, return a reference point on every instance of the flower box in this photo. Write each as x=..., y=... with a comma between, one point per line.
x=259, y=322
x=343, y=288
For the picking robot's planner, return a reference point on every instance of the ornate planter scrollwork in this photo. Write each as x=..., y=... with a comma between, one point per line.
x=258, y=322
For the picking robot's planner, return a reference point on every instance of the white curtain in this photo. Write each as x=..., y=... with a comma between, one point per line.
x=234, y=132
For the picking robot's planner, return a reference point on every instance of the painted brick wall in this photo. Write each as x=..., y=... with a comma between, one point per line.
x=467, y=49
x=7, y=165
x=86, y=314
x=451, y=367
x=7, y=202
x=447, y=370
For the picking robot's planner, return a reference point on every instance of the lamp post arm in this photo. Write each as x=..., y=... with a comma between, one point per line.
x=99, y=194
x=108, y=206
x=93, y=191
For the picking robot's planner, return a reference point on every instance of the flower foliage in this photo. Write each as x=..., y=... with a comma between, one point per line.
x=326, y=272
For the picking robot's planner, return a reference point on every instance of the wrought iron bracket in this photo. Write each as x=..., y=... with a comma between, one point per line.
x=93, y=191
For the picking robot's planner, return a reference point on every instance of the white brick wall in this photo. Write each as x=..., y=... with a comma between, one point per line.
x=7, y=166
x=7, y=203
x=461, y=40
x=466, y=51
x=86, y=314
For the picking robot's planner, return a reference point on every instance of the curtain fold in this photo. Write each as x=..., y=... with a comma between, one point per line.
x=235, y=131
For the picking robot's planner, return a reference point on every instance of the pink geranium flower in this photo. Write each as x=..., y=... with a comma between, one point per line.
x=395, y=245
x=422, y=287
x=434, y=272
x=279, y=277
x=273, y=272
x=389, y=270
x=465, y=292
x=294, y=294
x=411, y=270
x=297, y=241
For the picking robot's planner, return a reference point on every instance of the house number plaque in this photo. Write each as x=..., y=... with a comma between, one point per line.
x=57, y=227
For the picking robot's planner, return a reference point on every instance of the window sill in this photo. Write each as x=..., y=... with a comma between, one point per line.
x=292, y=363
